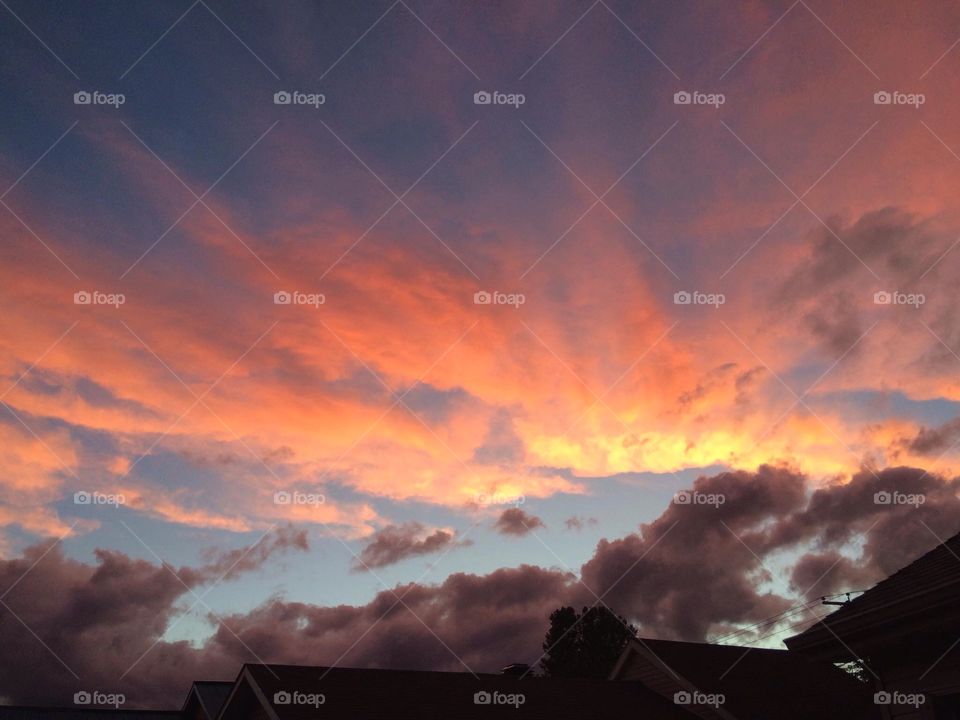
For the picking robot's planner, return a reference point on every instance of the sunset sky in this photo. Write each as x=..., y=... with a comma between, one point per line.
x=493, y=460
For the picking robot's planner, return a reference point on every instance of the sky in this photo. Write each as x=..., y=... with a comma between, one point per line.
x=368, y=334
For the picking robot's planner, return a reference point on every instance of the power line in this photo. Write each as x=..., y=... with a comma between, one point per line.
x=772, y=619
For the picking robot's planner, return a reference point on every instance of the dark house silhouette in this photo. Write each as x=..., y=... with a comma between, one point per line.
x=753, y=682
x=906, y=630
x=401, y=694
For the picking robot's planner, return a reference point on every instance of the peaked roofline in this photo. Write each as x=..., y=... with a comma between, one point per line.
x=246, y=676
x=192, y=693
x=640, y=647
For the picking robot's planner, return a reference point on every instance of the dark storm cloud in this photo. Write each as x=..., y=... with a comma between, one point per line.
x=819, y=574
x=874, y=503
x=394, y=543
x=515, y=521
x=81, y=626
x=486, y=621
x=693, y=567
x=658, y=576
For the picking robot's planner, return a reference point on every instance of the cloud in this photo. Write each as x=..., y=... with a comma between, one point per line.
x=98, y=621
x=514, y=521
x=578, y=523
x=394, y=543
x=656, y=576
x=229, y=565
x=933, y=440
x=818, y=574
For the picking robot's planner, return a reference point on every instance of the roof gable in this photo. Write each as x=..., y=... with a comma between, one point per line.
x=205, y=699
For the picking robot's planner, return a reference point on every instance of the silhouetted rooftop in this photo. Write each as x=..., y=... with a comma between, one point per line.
x=918, y=591
x=755, y=682
x=402, y=694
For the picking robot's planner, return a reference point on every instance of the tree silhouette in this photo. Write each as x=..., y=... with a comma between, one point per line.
x=586, y=644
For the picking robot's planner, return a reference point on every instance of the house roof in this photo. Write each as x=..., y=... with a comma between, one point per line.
x=209, y=695
x=402, y=694
x=912, y=594
x=755, y=682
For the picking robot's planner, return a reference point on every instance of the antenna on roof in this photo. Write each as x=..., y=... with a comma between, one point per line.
x=825, y=601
